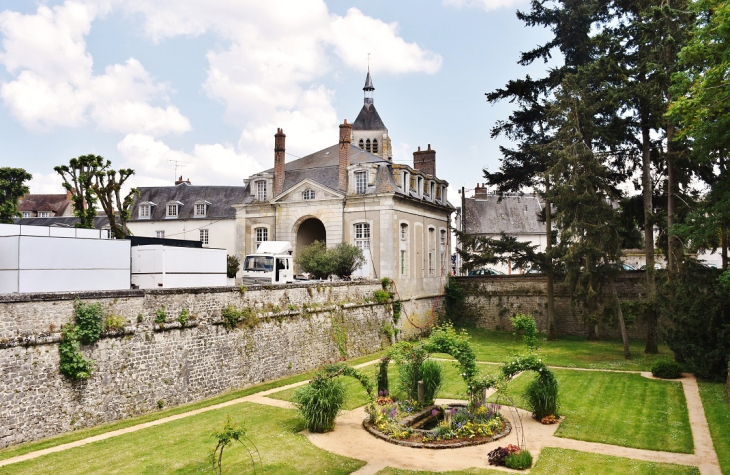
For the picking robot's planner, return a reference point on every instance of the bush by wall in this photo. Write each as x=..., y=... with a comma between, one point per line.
x=666, y=369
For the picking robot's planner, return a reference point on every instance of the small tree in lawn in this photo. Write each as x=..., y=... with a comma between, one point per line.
x=12, y=187
x=78, y=177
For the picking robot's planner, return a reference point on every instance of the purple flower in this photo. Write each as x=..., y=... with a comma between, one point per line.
x=434, y=412
x=392, y=413
x=380, y=393
x=453, y=411
x=383, y=410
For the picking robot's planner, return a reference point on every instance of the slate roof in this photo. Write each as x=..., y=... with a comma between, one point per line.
x=221, y=198
x=368, y=119
x=323, y=167
x=65, y=221
x=54, y=203
x=512, y=215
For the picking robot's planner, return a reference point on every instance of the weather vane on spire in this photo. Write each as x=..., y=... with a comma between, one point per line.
x=368, y=62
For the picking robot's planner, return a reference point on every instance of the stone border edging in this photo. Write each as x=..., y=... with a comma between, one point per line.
x=430, y=445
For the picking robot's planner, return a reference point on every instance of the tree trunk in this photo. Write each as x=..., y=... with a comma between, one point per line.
x=674, y=249
x=652, y=343
x=723, y=243
x=550, y=279
x=621, y=323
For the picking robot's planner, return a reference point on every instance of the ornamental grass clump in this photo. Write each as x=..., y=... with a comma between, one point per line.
x=319, y=403
x=431, y=375
x=541, y=395
x=519, y=460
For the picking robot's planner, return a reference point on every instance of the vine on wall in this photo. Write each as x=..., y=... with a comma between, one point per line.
x=85, y=329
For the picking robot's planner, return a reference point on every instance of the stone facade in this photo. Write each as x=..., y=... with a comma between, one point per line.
x=492, y=300
x=298, y=327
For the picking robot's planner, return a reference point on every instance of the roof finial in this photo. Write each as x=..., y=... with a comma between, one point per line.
x=368, y=86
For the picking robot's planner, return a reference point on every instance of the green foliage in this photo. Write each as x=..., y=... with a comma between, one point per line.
x=385, y=283
x=410, y=357
x=397, y=308
x=541, y=395
x=160, y=403
x=233, y=317
x=666, y=369
x=527, y=324
x=454, y=298
x=342, y=259
x=114, y=322
x=73, y=364
x=12, y=188
x=445, y=339
x=233, y=265
x=89, y=321
x=519, y=460
x=319, y=403
x=183, y=317
x=347, y=258
x=108, y=186
x=339, y=335
x=78, y=178
x=382, y=296
x=431, y=375
x=697, y=307
x=382, y=375
x=228, y=434
x=161, y=316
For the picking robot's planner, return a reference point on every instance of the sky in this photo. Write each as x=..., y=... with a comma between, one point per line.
x=203, y=85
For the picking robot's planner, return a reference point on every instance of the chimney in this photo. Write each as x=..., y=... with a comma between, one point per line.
x=69, y=195
x=180, y=181
x=345, y=138
x=279, y=150
x=425, y=160
x=481, y=191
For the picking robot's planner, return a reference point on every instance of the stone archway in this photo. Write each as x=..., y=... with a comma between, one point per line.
x=310, y=230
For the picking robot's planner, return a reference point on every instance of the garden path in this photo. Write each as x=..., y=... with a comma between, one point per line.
x=349, y=439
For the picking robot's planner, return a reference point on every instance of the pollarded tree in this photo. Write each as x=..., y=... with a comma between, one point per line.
x=78, y=178
x=108, y=188
x=12, y=188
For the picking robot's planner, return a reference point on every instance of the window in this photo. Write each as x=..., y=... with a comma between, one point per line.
x=160, y=234
x=44, y=214
x=362, y=144
x=431, y=237
x=308, y=195
x=200, y=210
x=172, y=210
x=204, y=236
x=362, y=236
x=261, y=190
x=144, y=211
x=375, y=145
x=361, y=183
x=403, y=231
x=262, y=234
x=443, y=237
x=367, y=145
x=403, y=261
x=433, y=191
x=26, y=214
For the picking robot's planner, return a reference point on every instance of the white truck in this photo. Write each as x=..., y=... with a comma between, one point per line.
x=272, y=263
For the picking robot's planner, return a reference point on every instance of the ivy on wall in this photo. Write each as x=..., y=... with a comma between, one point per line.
x=84, y=330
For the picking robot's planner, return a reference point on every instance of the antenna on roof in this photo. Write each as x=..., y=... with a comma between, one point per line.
x=177, y=165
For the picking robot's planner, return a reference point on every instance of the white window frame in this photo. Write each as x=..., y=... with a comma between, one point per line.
x=172, y=207
x=144, y=211
x=361, y=182
x=204, y=236
x=27, y=214
x=260, y=234
x=431, y=251
x=201, y=207
x=261, y=190
x=44, y=214
x=403, y=231
x=308, y=195
x=160, y=234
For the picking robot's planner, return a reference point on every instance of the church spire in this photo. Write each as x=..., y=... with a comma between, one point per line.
x=368, y=88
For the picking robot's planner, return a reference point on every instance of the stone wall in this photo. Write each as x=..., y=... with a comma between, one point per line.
x=147, y=365
x=492, y=300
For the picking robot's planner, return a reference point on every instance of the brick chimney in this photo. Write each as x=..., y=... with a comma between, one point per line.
x=345, y=138
x=279, y=149
x=481, y=191
x=180, y=181
x=425, y=160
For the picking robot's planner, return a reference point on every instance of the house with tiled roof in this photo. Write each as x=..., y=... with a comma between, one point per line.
x=46, y=205
x=352, y=192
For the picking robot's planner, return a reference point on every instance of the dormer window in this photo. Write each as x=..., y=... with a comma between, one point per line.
x=173, y=209
x=361, y=183
x=201, y=208
x=261, y=190
x=144, y=211
x=44, y=214
x=308, y=195
x=27, y=214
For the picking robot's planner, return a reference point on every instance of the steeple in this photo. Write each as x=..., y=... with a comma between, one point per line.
x=368, y=88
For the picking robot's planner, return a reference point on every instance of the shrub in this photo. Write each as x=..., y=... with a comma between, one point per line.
x=541, y=395
x=73, y=364
x=319, y=403
x=315, y=260
x=666, y=369
x=88, y=317
x=183, y=317
x=233, y=317
x=161, y=316
x=519, y=460
x=382, y=296
x=114, y=323
x=527, y=324
x=431, y=374
x=347, y=259
x=233, y=264
x=499, y=455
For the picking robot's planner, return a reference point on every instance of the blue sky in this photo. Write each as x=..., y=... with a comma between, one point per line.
x=207, y=82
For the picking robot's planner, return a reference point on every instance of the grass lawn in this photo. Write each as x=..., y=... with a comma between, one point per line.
x=576, y=352
x=717, y=411
x=554, y=461
x=101, y=429
x=182, y=447
x=620, y=409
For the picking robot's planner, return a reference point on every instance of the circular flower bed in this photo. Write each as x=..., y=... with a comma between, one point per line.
x=437, y=427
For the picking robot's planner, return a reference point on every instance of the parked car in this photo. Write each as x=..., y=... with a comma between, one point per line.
x=627, y=266
x=656, y=266
x=484, y=271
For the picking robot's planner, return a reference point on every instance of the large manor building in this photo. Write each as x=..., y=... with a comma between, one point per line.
x=349, y=192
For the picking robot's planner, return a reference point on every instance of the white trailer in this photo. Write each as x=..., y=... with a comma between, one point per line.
x=271, y=264
x=56, y=259
x=158, y=266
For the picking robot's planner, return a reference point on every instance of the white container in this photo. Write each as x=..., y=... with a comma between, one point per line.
x=158, y=266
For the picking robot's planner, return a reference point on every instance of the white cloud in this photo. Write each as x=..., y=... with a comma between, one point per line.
x=48, y=183
x=55, y=86
x=153, y=162
x=487, y=5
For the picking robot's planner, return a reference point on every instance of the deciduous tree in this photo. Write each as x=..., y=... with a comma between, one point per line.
x=12, y=188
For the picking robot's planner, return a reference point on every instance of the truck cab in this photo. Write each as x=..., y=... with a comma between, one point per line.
x=272, y=263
